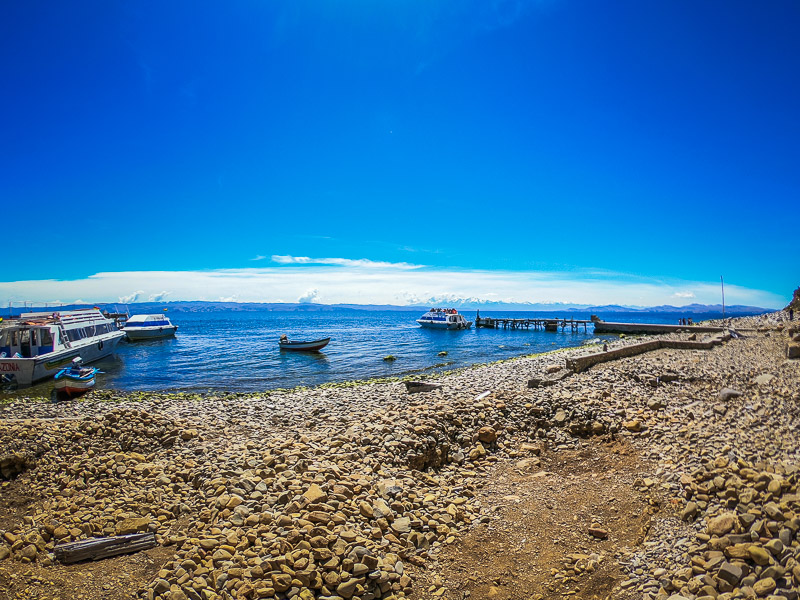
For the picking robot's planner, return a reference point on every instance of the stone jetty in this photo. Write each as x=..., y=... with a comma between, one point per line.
x=671, y=473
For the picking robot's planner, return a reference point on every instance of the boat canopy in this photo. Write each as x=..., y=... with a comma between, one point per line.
x=148, y=321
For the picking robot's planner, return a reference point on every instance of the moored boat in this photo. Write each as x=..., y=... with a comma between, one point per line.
x=312, y=346
x=444, y=318
x=35, y=346
x=601, y=326
x=149, y=327
x=75, y=380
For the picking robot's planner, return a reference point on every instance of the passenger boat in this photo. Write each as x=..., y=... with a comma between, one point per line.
x=314, y=346
x=148, y=327
x=444, y=318
x=35, y=346
x=75, y=380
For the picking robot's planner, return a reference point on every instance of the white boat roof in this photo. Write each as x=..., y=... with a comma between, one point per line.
x=69, y=317
x=144, y=318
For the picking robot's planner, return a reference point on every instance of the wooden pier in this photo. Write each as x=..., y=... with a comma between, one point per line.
x=600, y=326
x=548, y=324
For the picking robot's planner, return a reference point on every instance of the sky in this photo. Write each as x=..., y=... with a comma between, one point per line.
x=371, y=152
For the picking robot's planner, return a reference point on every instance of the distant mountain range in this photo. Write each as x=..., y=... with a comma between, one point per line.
x=467, y=305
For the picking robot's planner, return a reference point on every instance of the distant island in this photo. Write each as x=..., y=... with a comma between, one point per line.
x=199, y=306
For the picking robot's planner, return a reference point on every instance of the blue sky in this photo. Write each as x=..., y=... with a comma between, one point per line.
x=627, y=152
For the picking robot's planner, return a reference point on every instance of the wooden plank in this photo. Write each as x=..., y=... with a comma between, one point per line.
x=98, y=548
x=412, y=387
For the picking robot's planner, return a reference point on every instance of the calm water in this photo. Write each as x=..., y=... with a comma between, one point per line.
x=238, y=351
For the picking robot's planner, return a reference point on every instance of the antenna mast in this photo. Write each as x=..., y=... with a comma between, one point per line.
x=722, y=283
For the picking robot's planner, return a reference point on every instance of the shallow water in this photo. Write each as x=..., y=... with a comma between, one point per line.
x=238, y=351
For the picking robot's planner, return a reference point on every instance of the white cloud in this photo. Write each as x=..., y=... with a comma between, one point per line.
x=356, y=282
x=311, y=296
x=259, y=257
x=132, y=297
x=364, y=263
x=683, y=295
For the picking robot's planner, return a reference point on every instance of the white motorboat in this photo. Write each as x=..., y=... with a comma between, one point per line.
x=149, y=327
x=36, y=346
x=444, y=318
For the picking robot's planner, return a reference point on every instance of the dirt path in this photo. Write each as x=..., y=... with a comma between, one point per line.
x=115, y=578
x=537, y=544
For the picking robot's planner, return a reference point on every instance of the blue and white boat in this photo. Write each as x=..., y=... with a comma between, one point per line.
x=149, y=327
x=36, y=346
x=444, y=318
x=75, y=380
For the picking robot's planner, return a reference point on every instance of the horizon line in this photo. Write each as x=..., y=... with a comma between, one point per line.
x=462, y=305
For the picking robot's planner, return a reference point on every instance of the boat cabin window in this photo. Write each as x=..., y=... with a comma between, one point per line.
x=28, y=342
x=8, y=341
x=25, y=343
x=45, y=337
x=76, y=334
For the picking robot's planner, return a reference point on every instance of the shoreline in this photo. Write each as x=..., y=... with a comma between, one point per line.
x=180, y=376
x=109, y=395
x=402, y=483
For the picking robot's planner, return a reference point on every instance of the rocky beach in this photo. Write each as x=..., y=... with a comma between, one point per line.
x=672, y=473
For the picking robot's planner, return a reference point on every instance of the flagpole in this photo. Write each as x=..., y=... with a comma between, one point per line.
x=722, y=283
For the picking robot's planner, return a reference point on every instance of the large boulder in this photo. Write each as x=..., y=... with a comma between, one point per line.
x=722, y=524
x=795, y=303
x=726, y=394
x=12, y=465
x=133, y=525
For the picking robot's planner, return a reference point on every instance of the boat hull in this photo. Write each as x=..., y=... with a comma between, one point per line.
x=25, y=371
x=150, y=333
x=73, y=387
x=443, y=325
x=651, y=328
x=314, y=346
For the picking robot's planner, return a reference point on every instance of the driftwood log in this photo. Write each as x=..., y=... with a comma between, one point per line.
x=418, y=386
x=97, y=548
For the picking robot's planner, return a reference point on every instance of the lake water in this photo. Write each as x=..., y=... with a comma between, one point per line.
x=238, y=351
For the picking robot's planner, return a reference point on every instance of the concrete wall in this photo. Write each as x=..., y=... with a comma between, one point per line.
x=686, y=345
x=584, y=362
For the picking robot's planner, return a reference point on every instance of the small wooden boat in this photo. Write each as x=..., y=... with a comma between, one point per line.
x=76, y=379
x=314, y=346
